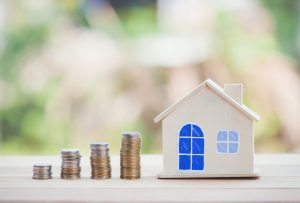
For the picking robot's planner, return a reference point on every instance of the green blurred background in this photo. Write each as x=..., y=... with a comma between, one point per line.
x=73, y=72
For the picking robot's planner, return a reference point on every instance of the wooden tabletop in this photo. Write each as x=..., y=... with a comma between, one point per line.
x=279, y=182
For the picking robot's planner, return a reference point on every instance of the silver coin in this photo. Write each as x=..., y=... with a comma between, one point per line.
x=42, y=165
x=131, y=134
x=99, y=150
x=99, y=144
x=70, y=151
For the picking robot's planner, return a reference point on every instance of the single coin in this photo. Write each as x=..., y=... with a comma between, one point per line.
x=99, y=144
x=131, y=134
x=42, y=165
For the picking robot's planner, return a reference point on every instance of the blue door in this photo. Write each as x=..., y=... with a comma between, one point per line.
x=191, y=148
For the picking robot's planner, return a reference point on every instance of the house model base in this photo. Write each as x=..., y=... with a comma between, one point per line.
x=207, y=176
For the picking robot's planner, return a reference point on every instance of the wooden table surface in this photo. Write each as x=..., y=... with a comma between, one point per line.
x=279, y=182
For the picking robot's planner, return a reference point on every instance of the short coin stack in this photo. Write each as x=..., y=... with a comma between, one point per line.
x=130, y=155
x=70, y=166
x=100, y=160
x=42, y=171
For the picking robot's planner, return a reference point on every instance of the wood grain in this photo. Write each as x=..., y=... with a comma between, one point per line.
x=279, y=182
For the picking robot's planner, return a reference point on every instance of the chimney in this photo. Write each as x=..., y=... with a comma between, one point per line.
x=235, y=91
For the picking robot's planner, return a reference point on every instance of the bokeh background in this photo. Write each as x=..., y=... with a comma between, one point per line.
x=73, y=72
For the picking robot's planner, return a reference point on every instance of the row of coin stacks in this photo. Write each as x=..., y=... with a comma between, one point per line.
x=100, y=161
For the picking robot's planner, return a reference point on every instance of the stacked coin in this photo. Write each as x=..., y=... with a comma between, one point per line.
x=70, y=166
x=100, y=160
x=130, y=156
x=42, y=171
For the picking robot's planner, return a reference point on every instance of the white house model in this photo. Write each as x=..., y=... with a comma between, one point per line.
x=208, y=133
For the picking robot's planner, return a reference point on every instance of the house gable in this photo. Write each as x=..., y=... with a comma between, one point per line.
x=211, y=85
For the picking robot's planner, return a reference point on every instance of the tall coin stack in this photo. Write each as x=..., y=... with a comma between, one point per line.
x=130, y=155
x=42, y=171
x=70, y=166
x=100, y=160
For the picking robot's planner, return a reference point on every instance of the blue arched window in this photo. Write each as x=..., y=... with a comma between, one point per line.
x=191, y=148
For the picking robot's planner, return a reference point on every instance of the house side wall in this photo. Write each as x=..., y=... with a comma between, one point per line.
x=212, y=113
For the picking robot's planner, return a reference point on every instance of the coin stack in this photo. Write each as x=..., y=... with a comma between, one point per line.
x=70, y=166
x=100, y=160
x=42, y=171
x=130, y=155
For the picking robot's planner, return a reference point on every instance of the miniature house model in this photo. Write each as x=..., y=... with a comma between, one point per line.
x=208, y=133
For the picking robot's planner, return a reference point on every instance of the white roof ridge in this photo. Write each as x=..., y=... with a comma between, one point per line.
x=216, y=88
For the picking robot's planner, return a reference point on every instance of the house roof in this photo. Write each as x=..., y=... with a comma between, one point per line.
x=217, y=89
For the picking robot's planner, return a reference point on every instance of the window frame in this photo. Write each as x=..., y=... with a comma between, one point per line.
x=191, y=154
x=227, y=142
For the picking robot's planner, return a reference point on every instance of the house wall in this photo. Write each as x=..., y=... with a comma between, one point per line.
x=212, y=113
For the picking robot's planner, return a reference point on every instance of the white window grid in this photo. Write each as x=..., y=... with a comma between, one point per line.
x=229, y=142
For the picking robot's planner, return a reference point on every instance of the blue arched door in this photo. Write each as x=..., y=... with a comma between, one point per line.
x=191, y=148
